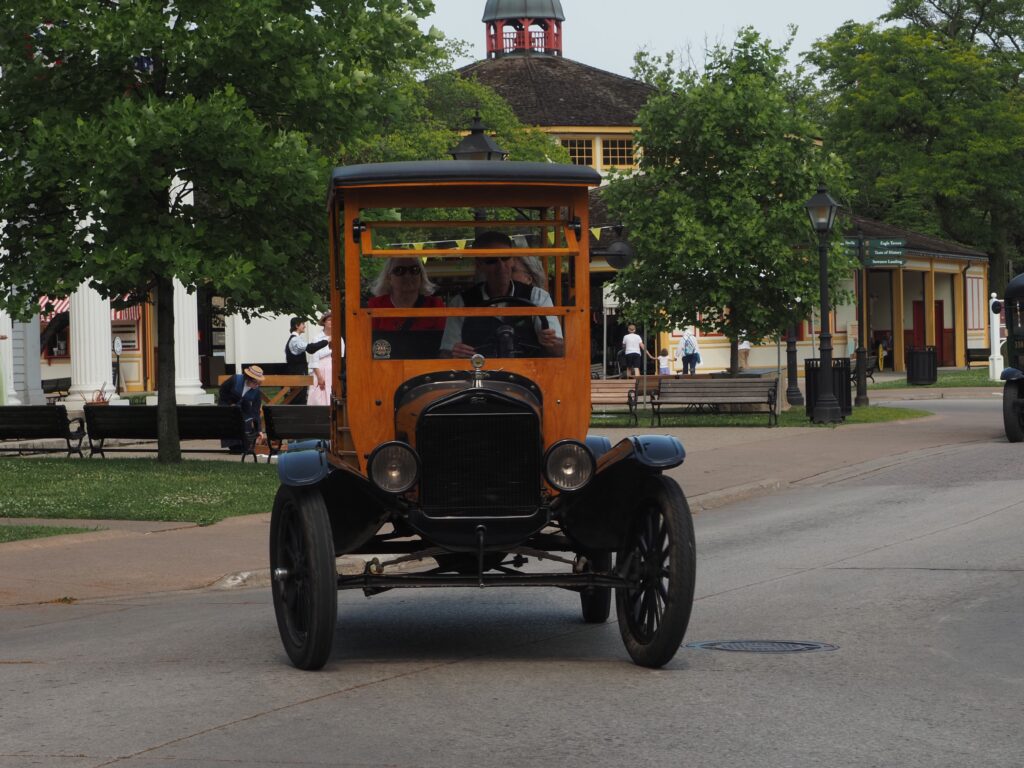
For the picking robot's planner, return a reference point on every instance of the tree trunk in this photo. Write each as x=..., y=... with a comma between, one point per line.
x=734, y=357
x=168, y=444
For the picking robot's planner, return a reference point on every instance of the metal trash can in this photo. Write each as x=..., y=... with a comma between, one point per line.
x=840, y=384
x=922, y=366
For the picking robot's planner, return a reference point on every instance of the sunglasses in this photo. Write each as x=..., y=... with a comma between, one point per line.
x=492, y=261
x=412, y=269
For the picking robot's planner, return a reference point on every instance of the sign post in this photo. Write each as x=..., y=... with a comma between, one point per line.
x=118, y=347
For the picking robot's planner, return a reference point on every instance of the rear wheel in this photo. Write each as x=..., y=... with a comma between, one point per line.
x=305, y=576
x=1012, y=413
x=596, y=602
x=659, y=559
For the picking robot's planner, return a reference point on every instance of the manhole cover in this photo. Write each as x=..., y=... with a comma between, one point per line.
x=763, y=646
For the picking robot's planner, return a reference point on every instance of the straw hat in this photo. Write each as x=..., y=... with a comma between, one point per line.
x=254, y=372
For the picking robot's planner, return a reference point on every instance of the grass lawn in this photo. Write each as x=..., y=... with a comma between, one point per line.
x=21, y=532
x=794, y=417
x=200, y=492
x=976, y=377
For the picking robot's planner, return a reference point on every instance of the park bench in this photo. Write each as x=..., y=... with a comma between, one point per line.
x=870, y=368
x=977, y=355
x=711, y=394
x=56, y=390
x=295, y=422
x=614, y=392
x=40, y=422
x=139, y=422
x=290, y=386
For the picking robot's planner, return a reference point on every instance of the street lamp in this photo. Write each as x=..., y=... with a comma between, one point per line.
x=821, y=209
x=477, y=145
x=793, y=394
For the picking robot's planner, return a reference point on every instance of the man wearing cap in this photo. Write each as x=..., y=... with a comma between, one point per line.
x=243, y=390
x=463, y=336
x=295, y=352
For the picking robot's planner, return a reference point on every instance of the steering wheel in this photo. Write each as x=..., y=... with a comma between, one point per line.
x=508, y=337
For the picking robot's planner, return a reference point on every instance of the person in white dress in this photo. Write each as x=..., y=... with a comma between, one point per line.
x=320, y=366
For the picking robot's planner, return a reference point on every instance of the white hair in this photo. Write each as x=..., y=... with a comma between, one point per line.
x=382, y=283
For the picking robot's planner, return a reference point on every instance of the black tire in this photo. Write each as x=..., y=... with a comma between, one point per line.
x=306, y=591
x=1012, y=415
x=596, y=602
x=661, y=554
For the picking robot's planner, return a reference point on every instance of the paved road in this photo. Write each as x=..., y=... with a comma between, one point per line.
x=913, y=567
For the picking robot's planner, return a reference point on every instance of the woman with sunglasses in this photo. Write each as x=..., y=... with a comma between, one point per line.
x=404, y=283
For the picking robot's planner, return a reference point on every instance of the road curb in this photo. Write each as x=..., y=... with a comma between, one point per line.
x=714, y=499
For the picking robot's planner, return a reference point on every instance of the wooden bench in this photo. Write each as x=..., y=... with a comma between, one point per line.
x=290, y=386
x=139, y=422
x=709, y=395
x=56, y=390
x=614, y=392
x=295, y=422
x=977, y=355
x=40, y=422
x=870, y=368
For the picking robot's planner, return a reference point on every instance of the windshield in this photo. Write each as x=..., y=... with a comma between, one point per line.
x=453, y=282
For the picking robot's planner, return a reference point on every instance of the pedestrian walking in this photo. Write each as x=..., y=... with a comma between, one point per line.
x=688, y=352
x=634, y=349
x=295, y=351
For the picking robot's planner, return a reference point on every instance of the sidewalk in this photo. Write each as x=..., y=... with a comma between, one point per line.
x=723, y=465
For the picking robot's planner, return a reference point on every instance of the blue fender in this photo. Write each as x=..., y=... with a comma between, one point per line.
x=599, y=445
x=304, y=463
x=1011, y=374
x=652, y=451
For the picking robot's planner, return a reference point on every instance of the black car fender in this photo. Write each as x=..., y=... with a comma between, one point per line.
x=1011, y=374
x=597, y=517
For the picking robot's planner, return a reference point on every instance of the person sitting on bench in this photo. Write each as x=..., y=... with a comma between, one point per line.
x=243, y=390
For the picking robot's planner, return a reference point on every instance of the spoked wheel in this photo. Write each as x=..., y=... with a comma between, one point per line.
x=1012, y=414
x=305, y=577
x=596, y=602
x=660, y=558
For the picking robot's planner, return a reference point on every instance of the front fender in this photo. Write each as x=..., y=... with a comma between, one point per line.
x=303, y=463
x=597, y=518
x=1011, y=374
x=652, y=451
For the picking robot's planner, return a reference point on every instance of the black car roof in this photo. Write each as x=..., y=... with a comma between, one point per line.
x=454, y=171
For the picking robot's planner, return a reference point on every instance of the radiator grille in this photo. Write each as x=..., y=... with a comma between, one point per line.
x=480, y=457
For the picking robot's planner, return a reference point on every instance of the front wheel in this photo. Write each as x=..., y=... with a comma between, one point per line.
x=304, y=575
x=1012, y=414
x=659, y=560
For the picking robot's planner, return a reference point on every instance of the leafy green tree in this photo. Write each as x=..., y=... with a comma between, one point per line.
x=144, y=141
x=995, y=24
x=933, y=131
x=729, y=159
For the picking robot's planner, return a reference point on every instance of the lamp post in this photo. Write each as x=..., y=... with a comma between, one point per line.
x=793, y=394
x=821, y=209
x=861, y=400
x=477, y=145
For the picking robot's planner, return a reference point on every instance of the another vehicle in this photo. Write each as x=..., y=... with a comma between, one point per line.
x=479, y=469
x=1013, y=374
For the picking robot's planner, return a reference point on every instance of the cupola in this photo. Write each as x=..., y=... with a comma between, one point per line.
x=523, y=27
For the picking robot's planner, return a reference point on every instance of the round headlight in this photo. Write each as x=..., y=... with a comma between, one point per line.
x=569, y=465
x=394, y=467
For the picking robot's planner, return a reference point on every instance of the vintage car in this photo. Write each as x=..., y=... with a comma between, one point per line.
x=459, y=453
x=1013, y=374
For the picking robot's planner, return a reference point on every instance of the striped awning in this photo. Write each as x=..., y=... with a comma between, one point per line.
x=49, y=308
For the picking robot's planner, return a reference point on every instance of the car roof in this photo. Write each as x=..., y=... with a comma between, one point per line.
x=456, y=171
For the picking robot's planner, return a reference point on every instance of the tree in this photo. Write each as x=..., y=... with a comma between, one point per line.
x=933, y=131
x=996, y=24
x=716, y=213
x=144, y=141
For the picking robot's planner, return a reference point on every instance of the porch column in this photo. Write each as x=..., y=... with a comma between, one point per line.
x=188, y=389
x=91, y=367
x=959, y=321
x=898, y=353
x=7, y=396
x=929, y=308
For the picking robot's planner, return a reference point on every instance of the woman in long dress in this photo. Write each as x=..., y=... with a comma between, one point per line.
x=320, y=391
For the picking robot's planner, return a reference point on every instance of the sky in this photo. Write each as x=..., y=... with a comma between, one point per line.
x=595, y=32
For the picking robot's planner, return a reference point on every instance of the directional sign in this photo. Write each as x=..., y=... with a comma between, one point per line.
x=884, y=261
x=885, y=253
x=874, y=243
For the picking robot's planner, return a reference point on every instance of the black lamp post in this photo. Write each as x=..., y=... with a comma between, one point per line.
x=793, y=394
x=477, y=145
x=821, y=209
